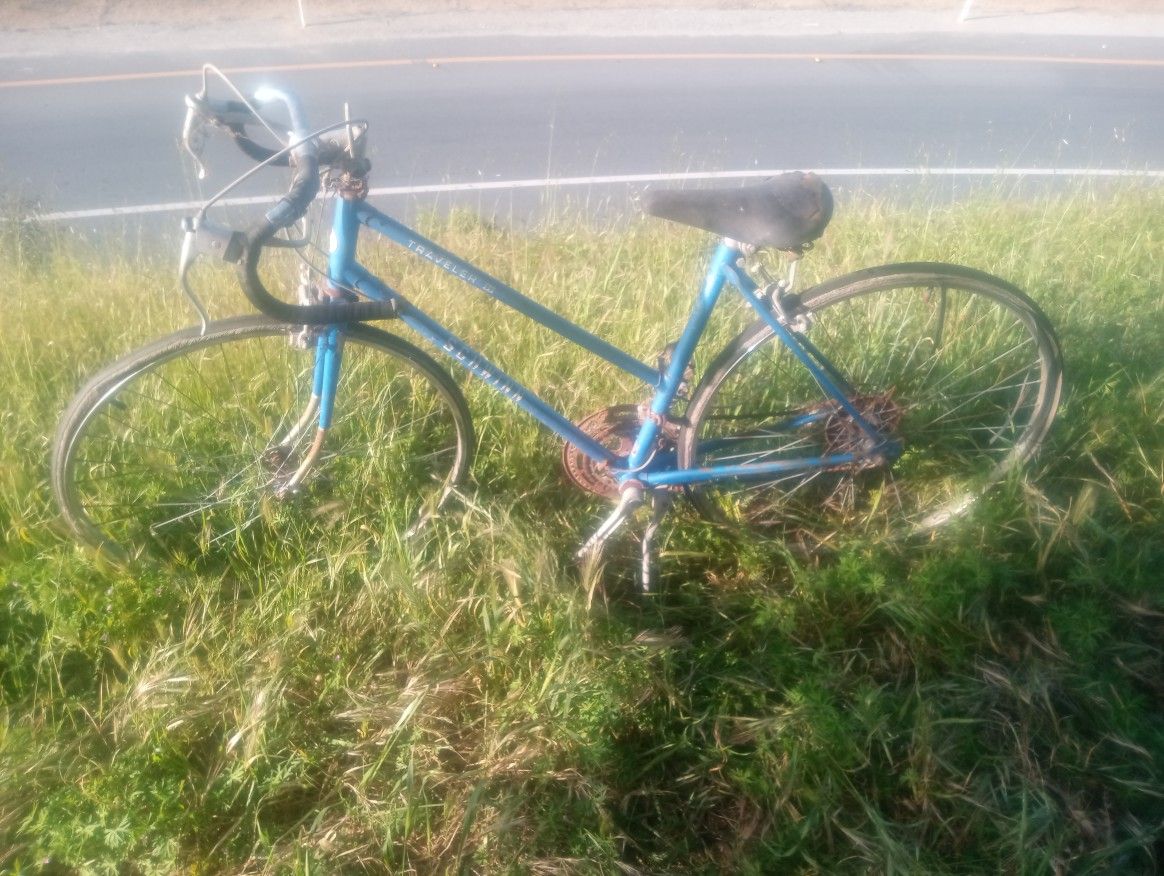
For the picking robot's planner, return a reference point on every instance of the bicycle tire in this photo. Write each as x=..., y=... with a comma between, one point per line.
x=906, y=336
x=175, y=447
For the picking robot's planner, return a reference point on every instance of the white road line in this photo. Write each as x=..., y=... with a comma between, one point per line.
x=564, y=182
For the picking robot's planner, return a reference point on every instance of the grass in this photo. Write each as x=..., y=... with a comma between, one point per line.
x=985, y=702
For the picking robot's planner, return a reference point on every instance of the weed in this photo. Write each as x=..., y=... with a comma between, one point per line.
x=469, y=701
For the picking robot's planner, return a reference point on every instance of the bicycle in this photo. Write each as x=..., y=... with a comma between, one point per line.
x=887, y=399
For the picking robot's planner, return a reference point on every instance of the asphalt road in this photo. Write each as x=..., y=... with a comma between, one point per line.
x=93, y=133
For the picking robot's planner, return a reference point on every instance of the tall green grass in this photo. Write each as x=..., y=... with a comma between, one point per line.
x=985, y=702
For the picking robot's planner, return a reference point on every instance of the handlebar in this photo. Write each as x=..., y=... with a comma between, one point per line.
x=233, y=116
x=303, y=154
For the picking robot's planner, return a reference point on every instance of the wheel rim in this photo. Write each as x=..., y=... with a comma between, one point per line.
x=190, y=454
x=960, y=373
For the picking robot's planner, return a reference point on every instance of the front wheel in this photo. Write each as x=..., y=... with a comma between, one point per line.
x=189, y=445
x=960, y=368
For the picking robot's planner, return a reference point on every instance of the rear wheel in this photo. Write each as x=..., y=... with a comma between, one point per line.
x=188, y=446
x=959, y=367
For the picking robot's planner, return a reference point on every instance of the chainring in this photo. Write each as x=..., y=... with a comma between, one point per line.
x=615, y=428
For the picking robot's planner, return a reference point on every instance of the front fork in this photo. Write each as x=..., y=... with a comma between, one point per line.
x=329, y=348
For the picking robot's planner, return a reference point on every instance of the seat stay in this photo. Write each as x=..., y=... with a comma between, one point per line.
x=809, y=347
x=824, y=372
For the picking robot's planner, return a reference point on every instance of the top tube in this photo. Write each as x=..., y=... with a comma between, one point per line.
x=344, y=255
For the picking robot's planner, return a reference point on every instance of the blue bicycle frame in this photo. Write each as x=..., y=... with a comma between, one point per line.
x=643, y=464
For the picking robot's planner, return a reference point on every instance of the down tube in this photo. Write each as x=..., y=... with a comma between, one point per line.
x=502, y=383
x=442, y=339
x=344, y=270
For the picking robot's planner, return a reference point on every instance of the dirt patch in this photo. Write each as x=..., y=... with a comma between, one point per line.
x=27, y=15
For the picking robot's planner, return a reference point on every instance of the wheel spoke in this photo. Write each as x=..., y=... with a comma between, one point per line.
x=955, y=369
x=179, y=445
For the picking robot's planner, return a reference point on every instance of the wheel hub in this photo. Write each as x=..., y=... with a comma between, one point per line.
x=280, y=463
x=844, y=435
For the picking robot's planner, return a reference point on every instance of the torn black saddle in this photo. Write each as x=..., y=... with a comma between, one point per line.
x=784, y=212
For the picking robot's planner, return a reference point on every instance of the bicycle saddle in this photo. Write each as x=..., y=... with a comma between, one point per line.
x=784, y=212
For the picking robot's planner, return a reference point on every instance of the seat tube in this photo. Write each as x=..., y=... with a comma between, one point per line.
x=725, y=254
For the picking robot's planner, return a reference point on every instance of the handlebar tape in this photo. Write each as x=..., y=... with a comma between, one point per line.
x=298, y=314
x=256, y=152
x=304, y=188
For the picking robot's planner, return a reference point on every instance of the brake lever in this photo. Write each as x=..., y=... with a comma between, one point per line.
x=185, y=260
x=202, y=236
